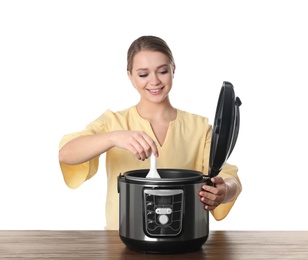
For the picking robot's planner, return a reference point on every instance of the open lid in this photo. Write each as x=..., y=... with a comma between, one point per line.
x=225, y=128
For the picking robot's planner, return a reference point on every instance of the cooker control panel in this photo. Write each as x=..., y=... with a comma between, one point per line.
x=163, y=211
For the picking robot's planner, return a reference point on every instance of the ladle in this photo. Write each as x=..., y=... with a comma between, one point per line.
x=153, y=173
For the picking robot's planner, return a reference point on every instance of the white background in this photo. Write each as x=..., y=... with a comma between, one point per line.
x=63, y=63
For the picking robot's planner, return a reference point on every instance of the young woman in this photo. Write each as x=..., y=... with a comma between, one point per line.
x=153, y=125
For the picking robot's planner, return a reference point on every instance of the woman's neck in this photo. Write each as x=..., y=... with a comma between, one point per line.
x=156, y=111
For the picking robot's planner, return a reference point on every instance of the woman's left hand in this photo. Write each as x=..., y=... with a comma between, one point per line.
x=213, y=196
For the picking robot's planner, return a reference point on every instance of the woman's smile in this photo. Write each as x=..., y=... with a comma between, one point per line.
x=156, y=91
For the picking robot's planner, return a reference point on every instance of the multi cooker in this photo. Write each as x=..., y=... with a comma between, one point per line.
x=165, y=215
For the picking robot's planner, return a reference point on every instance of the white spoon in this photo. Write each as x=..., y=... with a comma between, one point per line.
x=153, y=173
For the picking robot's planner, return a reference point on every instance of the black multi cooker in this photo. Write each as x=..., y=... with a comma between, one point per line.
x=165, y=215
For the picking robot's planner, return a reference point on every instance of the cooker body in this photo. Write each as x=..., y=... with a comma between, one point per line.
x=163, y=217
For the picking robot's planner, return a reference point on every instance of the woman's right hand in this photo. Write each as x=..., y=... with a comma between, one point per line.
x=137, y=142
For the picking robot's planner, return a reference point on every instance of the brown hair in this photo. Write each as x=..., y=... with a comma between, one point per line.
x=147, y=43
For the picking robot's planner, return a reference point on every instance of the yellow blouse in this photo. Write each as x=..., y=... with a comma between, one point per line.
x=186, y=146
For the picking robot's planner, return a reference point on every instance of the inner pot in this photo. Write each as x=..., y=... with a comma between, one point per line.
x=162, y=215
x=167, y=176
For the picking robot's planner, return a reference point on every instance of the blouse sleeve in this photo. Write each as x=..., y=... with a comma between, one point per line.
x=228, y=171
x=75, y=175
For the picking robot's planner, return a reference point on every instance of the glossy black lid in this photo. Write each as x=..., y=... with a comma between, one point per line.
x=225, y=128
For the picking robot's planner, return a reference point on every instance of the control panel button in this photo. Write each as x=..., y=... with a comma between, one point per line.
x=163, y=211
x=163, y=219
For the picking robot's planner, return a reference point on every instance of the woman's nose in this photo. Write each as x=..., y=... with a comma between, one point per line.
x=154, y=80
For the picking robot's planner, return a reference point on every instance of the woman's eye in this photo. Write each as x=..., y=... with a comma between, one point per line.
x=146, y=74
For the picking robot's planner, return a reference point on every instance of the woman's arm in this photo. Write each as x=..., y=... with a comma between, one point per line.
x=84, y=148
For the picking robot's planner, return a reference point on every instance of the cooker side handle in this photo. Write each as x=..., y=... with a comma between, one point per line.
x=207, y=180
x=118, y=181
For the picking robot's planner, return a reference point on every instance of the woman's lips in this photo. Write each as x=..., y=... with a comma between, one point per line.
x=155, y=91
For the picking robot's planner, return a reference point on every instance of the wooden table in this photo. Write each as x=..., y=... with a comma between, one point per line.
x=90, y=245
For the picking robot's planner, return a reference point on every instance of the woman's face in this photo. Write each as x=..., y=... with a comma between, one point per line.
x=152, y=75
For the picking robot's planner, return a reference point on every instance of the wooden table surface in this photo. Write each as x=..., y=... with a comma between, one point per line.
x=90, y=245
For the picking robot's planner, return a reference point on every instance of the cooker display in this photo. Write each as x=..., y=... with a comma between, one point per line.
x=163, y=212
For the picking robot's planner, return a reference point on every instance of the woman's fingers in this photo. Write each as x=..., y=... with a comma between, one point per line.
x=213, y=196
x=141, y=145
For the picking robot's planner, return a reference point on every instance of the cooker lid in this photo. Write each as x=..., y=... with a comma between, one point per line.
x=225, y=128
